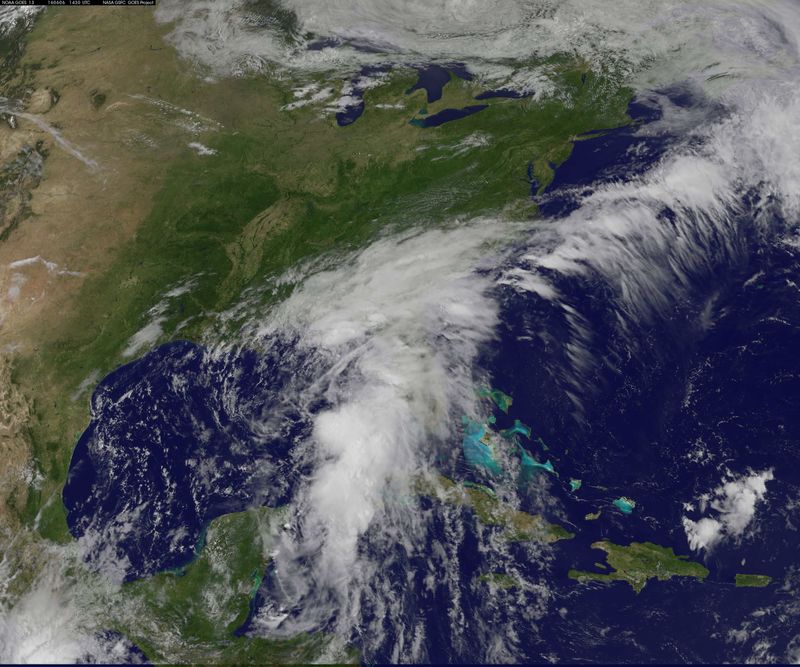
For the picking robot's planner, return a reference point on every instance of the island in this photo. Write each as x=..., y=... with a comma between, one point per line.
x=625, y=505
x=639, y=562
x=752, y=580
x=490, y=510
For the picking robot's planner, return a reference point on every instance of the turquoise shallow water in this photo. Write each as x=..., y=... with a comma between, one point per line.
x=661, y=391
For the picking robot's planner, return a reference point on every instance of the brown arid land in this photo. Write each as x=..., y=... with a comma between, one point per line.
x=93, y=108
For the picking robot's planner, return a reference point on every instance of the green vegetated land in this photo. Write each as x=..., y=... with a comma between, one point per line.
x=281, y=187
x=284, y=186
x=752, y=580
x=517, y=526
x=639, y=562
x=189, y=615
x=499, y=580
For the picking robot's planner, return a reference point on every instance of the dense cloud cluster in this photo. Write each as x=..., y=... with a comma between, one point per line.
x=731, y=508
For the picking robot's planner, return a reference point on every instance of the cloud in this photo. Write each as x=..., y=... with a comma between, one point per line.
x=391, y=334
x=51, y=623
x=11, y=17
x=733, y=504
x=652, y=42
x=702, y=534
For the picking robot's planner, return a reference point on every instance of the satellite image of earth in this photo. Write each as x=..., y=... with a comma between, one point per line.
x=400, y=331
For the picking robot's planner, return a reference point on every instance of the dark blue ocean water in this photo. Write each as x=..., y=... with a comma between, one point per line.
x=174, y=441
x=602, y=156
x=662, y=390
x=719, y=370
x=178, y=438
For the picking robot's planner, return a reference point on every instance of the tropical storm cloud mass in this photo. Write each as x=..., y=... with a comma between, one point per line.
x=400, y=332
